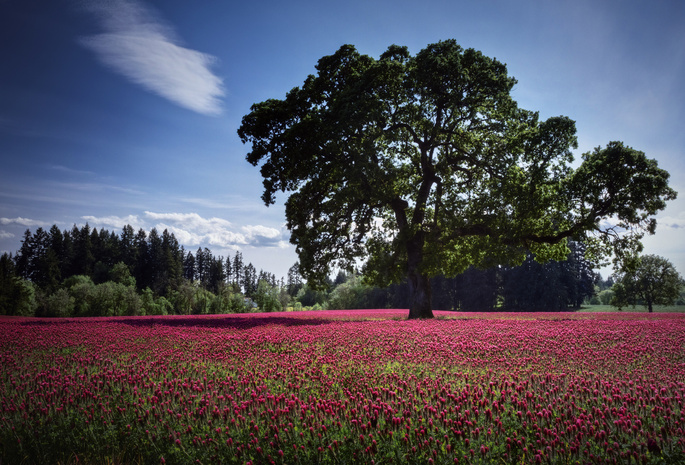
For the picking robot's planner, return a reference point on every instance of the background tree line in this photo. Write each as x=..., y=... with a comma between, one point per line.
x=90, y=272
x=532, y=286
x=86, y=272
x=650, y=280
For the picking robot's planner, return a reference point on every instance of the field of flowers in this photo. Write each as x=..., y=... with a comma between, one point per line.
x=346, y=387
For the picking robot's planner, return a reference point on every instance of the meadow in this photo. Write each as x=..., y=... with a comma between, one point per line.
x=344, y=387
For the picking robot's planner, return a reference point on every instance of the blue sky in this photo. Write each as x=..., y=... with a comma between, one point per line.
x=117, y=112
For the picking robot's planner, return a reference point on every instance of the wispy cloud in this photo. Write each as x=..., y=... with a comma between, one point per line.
x=96, y=187
x=140, y=46
x=70, y=171
x=235, y=202
x=26, y=222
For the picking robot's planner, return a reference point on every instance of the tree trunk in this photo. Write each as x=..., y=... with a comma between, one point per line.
x=649, y=305
x=420, y=296
x=420, y=304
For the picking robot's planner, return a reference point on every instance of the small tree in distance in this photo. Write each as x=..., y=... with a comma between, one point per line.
x=654, y=281
x=424, y=165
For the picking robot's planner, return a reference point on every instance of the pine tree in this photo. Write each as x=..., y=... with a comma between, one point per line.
x=189, y=267
x=238, y=269
x=249, y=280
x=228, y=265
x=156, y=262
x=201, y=266
x=127, y=247
x=57, y=244
x=25, y=256
x=294, y=280
x=217, y=275
x=141, y=272
x=83, y=258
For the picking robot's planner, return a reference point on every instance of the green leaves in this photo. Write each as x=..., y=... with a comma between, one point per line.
x=614, y=194
x=425, y=165
x=650, y=280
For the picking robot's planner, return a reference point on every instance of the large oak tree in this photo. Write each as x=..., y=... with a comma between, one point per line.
x=423, y=165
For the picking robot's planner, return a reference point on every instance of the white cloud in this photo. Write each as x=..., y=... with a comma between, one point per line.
x=264, y=236
x=674, y=222
x=192, y=229
x=191, y=220
x=141, y=47
x=19, y=221
x=115, y=221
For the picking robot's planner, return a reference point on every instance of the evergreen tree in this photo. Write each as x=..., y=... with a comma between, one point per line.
x=249, y=280
x=189, y=267
x=96, y=245
x=37, y=262
x=127, y=247
x=170, y=263
x=156, y=263
x=7, y=277
x=25, y=256
x=58, y=245
x=66, y=258
x=83, y=258
x=111, y=247
x=217, y=275
x=141, y=272
x=476, y=290
x=530, y=287
x=294, y=280
x=228, y=265
x=202, y=266
x=577, y=276
x=238, y=269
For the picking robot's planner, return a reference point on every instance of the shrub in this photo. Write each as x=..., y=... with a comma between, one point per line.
x=57, y=304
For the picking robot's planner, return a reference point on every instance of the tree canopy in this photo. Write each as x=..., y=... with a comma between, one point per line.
x=652, y=281
x=424, y=165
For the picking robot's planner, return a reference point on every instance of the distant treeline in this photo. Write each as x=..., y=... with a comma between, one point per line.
x=141, y=272
x=90, y=272
x=532, y=286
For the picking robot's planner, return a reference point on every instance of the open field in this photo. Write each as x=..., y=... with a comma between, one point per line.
x=344, y=387
x=638, y=309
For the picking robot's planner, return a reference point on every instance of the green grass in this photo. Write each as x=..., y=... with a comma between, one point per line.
x=637, y=309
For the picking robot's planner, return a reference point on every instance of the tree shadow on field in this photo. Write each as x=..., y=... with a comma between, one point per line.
x=232, y=322
x=213, y=321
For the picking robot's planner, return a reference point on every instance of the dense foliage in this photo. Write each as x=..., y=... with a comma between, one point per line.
x=154, y=275
x=423, y=165
x=344, y=388
x=653, y=280
x=86, y=272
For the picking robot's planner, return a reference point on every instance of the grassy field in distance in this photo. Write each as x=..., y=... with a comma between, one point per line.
x=638, y=308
